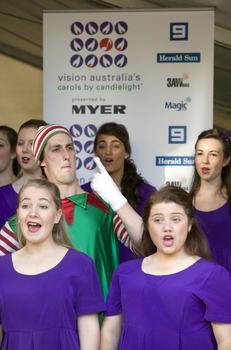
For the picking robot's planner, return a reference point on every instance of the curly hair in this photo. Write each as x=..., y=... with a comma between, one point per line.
x=196, y=243
x=225, y=141
x=131, y=180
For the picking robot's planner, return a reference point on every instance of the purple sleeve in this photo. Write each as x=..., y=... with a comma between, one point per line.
x=145, y=191
x=89, y=297
x=216, y=296
x=114, y=305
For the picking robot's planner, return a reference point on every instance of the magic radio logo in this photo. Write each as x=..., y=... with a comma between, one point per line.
x=94, y=47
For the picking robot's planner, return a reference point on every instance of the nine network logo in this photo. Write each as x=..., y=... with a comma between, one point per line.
x=179, y=31
x=177, y=134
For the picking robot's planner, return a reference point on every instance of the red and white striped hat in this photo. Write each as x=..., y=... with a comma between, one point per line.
x=43, y=134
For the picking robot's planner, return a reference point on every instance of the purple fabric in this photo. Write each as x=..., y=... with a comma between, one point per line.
x=170, y=311
x=8, y=203
x=145, y=190
x=216, y=225
x=40, y=311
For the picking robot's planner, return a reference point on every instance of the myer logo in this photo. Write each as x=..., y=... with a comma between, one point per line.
x=102, y=109
x=178, y=82
x=178, y=57
x=178, y=106
x=174, y=161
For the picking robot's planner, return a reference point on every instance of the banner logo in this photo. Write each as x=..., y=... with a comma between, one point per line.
x=183, y=183
x=175, y=161
x=91, y=44
x=105, y=44
x=191, y=57
x=178, y=31
x=177, y=134
x=178, y=82
x=178, y=106
x=106, y=28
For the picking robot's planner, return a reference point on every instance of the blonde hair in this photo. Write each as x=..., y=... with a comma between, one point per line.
x=59, y=232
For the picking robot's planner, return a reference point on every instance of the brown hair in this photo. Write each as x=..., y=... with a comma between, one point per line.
x=12, y=139
x=196, y=243
x=131, y=180
x=59, y=232
x=226, y=171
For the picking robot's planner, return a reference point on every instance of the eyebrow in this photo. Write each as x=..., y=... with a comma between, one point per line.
x=24, y=140
x=58, y=145
x=174, y=213
x=29, y=199
x=111, y=141
x=212, y=150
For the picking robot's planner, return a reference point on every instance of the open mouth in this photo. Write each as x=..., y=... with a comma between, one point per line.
x=108, y=161
x=33, y=226
x=205, y=170
x=25, y=160
x=168, y=241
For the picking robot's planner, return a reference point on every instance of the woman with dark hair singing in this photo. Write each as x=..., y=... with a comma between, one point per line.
x=112, y=146
x=175, y=297
x=211, y=192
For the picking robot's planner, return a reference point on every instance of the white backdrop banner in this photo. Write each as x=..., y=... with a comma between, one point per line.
x=151, y=71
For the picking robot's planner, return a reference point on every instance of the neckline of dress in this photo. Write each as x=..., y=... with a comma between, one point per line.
x=211, y=211
x=170, y=274
x=40, y=273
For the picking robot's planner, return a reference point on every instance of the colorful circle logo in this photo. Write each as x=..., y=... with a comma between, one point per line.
x=77, y=44
x=89, y=163
x=90, y=130
x=76, y=130
x=77, y=28
x=91, y=44
x=121, y=44
x=121, y=61
x=121, y=28
x=89, y=147
x=91, y=61
x=91, y=28
x=106, y=28
x=76, y=61
x=106, y=61
x=106, y=44
x=78, y=163
x=78, y=147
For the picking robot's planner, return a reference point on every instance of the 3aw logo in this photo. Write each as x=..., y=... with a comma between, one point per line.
x=178, y=82
x=179, y=31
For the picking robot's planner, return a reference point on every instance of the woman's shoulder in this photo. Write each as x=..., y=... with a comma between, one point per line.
x=130, y=266
x=77, y=257
x=8, y=190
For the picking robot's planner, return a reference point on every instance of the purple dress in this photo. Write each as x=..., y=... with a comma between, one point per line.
x=170, y=311
x=145, y=191
x=40, y=311
x=8, y=203
x=216, y=225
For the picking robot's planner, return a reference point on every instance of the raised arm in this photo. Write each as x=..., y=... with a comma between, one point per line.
x=103, y=184
x=8, y=240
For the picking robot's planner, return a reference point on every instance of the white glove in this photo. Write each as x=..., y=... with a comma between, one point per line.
x=103, y=184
